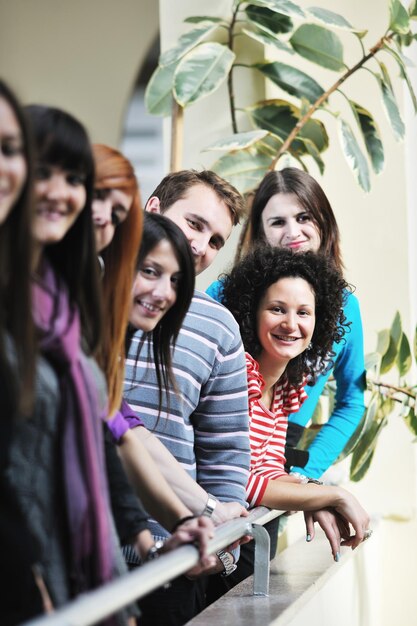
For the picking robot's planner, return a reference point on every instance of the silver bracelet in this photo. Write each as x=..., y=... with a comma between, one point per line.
x=210, y=506
x=303, y=479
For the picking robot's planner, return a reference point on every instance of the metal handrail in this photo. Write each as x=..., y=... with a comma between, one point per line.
x=89, y=608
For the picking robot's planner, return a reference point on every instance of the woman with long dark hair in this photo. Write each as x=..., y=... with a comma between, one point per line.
x=18, y=546
x=67, y=313
x=290, y=210
x=160, y=299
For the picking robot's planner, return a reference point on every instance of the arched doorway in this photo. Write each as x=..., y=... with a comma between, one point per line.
x=142, y=141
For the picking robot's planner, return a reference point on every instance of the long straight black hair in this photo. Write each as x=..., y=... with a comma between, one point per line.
x=157, y=228
x=62, y=141
x=15, y=307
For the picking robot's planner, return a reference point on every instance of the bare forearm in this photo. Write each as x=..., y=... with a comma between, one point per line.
x=188, y=491
x=191, y=494
x=149, y=483
x=288, y=496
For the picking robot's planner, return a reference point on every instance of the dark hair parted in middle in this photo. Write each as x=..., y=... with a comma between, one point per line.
x=61, y=141
x=264, y=266
x=157, y=228
x=311, y=198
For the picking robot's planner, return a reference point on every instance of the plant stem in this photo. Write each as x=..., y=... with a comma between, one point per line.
x=293, y=134
x=406, y=392
x=177, y=136
x=230, y=87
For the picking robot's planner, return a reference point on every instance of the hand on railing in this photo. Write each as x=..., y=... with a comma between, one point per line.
x=350, y=509
x=334, y=526
x=199, y=531
x=226, y=511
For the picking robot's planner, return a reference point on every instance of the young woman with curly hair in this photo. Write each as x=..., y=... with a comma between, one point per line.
x=290, y=210
x=289, y=309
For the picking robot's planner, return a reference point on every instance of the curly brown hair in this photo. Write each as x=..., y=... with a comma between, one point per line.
x=247, y=283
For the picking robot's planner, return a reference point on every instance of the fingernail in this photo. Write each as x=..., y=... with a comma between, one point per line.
x=337, y=557
x=308, y=538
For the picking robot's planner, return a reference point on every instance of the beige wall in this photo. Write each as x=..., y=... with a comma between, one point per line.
x=81, y=55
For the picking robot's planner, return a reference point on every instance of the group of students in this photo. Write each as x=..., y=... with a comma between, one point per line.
x=121, y=384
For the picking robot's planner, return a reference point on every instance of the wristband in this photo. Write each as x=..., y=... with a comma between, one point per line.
x=182, y=520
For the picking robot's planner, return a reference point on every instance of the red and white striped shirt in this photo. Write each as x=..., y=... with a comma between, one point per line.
x=268, y=430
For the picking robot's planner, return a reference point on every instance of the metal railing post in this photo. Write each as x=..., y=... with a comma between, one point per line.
x=261, y=565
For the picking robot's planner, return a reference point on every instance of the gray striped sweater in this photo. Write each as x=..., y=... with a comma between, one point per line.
x=206, y=428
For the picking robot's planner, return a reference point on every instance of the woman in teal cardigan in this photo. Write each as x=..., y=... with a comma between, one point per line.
x=291, y=210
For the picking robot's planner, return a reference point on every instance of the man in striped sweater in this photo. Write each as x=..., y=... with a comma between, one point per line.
x=206, y=425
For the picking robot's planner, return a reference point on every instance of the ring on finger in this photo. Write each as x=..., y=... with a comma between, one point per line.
x=367, y=534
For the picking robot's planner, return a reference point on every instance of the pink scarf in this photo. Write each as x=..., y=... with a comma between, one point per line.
x=81, y=452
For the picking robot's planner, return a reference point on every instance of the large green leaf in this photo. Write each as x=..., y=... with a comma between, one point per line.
x=371, y=136
x=385, y=75
x=290, y=79
x=362, y=454
x=385, y=409
x=404, y=74
x=285, y=7
x=358, y=471
x=396, y=328
x=411, y=420
x=390, y=356
x=319, y=45
x=201, y=71
x=354, y=156
x=238, y=141
x=272, y=21
x=158, y=93
x=383, y=341
x=269, y=145
x=373, y=362
x=399, y=19
x=243, y=169
x=404, y=356
x=314, y=153
x=186, y=42
x=280, y=117
x=268, y=40
x=197, y=19
x=391, y=109
x=365, y=423
x=330, y=18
